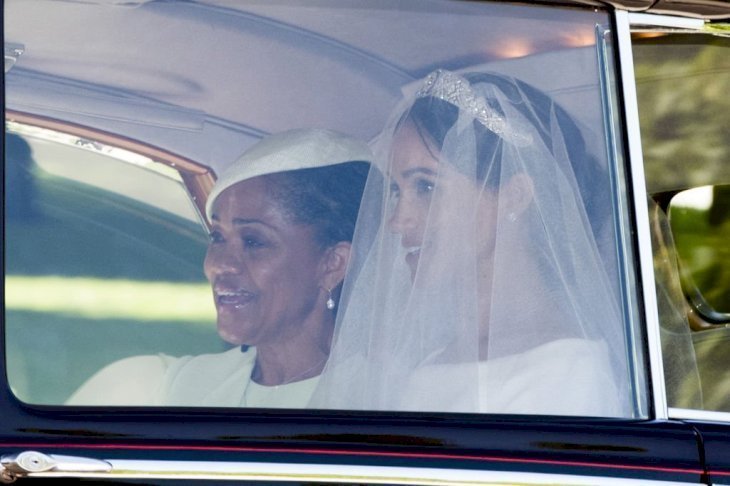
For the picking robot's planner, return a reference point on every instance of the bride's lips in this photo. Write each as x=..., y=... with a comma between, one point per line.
x=232, y=297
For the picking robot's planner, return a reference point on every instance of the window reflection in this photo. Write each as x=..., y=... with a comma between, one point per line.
x=131, y=258
x=681, y=83
x=96, y=266
x=700, y=220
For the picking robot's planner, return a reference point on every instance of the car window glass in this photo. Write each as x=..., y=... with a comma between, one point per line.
x=699, y=219
x=124, y=288
x=681, y=81
x=103, y=246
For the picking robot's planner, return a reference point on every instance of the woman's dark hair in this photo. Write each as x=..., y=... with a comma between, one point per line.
x=327, y=198
x=433, y=118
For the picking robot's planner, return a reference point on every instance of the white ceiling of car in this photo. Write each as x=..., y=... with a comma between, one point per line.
x=205, y=78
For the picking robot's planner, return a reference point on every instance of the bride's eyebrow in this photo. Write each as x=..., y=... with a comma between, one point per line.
x=418, y=171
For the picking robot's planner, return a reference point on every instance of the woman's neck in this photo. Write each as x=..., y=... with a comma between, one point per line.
x=300, y=357
x=512, y=293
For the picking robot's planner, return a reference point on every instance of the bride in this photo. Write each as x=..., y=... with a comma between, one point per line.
x=485, y=290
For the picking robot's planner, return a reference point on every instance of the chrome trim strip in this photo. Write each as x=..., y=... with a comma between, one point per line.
x=660, y=22
x=339, y=474
x=704, y=415
x=665, y=21
x=641, y=212
x=615, y=152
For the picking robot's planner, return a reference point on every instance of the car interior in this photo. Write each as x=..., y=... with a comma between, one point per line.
x=687, y=181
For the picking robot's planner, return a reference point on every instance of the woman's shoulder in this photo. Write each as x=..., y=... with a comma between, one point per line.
x=216, y=379
x=204, y=366
x=562, y=377
x=554, y=355
x=147, y=380
x=543, y=359
x=134, y=380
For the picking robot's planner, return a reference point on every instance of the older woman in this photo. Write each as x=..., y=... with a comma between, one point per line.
x=486, y=290
x=282, y=218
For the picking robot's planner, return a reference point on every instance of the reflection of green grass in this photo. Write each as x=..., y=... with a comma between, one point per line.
x=82, y=231
x=96, y=277
x=79, y=232
x=60, y=246
x=50, y=355
x=705, y=253
x=110, y=299
x=61, y=330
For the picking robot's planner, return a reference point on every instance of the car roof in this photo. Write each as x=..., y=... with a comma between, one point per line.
x=208, y=72
x=714, y=10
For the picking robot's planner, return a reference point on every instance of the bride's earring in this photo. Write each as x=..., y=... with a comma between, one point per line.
x=330, y=301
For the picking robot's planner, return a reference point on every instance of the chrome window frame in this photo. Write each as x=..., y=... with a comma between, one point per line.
x=658, y=398
x=626, y=23
x=617, y=157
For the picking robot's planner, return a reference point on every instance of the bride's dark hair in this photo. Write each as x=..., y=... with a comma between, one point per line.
x=434, y=118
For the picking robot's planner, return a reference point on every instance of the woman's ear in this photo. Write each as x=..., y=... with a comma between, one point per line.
x=517, y=193
x=334, y=265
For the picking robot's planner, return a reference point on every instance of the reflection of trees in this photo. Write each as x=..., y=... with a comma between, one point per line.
x=720, y=210
x=718, y=218
x=716, y=277
x=683, y=83
x=705, y=253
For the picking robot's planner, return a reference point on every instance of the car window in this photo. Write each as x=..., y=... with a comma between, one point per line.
x=497, y=279
x=100, y=243
x=699, y=220
x=684, y=117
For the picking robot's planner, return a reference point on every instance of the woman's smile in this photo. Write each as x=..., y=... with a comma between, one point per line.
x=230, y=297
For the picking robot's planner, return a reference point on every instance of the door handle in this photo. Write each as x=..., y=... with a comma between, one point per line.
x=13, y=466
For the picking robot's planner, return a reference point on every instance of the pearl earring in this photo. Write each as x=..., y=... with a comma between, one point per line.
x=330, y=301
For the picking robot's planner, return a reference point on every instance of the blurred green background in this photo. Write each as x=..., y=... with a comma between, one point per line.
x=683, y=90
x=93, y=275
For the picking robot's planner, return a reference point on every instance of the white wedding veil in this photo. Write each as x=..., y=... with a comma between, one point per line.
x=483, y=289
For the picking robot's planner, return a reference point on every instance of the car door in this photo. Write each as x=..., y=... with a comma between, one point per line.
x=681, y=69
x=119, y=116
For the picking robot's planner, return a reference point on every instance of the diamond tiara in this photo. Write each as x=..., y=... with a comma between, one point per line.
x=456, y=90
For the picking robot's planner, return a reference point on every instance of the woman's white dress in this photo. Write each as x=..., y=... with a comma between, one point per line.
x=562, y=377
x=213, y=380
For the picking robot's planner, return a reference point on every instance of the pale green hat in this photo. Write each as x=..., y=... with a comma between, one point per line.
x=290, y=150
